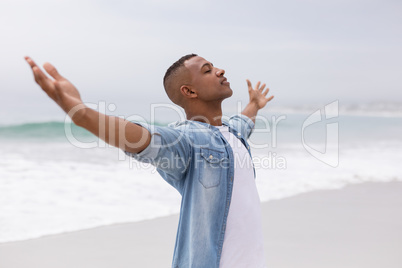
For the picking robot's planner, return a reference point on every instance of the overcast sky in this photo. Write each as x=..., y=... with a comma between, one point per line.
x=118, y=51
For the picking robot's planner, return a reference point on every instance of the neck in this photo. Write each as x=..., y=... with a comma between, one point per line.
x=206, y=113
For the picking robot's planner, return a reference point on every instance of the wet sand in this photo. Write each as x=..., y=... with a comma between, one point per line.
x=357, y=226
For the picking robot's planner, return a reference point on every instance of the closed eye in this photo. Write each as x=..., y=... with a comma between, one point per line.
x=208, y=71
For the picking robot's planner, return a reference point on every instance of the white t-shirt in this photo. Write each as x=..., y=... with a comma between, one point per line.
x=243, y=241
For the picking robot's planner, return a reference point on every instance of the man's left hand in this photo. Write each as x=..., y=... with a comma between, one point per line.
x=258, y=94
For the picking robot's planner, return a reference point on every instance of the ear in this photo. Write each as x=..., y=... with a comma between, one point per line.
x=188, y=92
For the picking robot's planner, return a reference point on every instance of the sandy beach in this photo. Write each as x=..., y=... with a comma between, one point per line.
x=357, y=226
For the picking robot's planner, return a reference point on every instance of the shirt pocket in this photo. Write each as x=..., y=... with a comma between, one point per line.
x=210, y=168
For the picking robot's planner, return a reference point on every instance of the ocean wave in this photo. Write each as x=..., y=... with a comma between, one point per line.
x=42, y=130
x=51, y=130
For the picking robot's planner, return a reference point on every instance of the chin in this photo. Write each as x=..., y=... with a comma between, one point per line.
x=230, y=93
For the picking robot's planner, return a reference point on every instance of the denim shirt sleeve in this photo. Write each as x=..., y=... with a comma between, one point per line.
x=169, y=150
x=242, y=124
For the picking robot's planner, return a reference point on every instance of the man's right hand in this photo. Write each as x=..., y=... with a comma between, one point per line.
x=115, y=131
x=60, y=90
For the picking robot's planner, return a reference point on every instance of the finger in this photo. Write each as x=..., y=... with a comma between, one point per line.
x=38, y=74
x=30, y=62
x=50, y=69
x=270, y=98
x=35, y=71
x=40, y=77
x=250, y=87
x=265, y=92
x=258, y=85
x=45, y=83
x=262, y=87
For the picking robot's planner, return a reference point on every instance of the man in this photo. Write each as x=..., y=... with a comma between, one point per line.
x=208, y=161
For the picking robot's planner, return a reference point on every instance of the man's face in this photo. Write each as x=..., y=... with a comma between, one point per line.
x=207, y=80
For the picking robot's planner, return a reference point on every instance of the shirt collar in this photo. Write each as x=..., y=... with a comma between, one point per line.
x=195, y=123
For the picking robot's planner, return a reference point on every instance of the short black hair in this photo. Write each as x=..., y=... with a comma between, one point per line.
x=175, y=66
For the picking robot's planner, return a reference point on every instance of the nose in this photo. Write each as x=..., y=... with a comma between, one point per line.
x=220, y=72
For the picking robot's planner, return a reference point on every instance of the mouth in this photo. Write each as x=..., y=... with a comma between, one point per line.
x=225, y=81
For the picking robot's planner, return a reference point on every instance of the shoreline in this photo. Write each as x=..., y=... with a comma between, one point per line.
x=355, y=226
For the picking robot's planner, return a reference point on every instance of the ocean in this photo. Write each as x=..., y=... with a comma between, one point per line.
x=52, y=182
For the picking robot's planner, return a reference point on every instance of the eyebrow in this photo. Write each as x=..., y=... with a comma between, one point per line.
x=206, y=64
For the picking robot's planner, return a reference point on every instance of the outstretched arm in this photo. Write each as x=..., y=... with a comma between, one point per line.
x=258, y=100
x=115, y=131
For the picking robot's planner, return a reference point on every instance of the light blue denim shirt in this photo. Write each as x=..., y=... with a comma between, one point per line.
x=196, y=159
